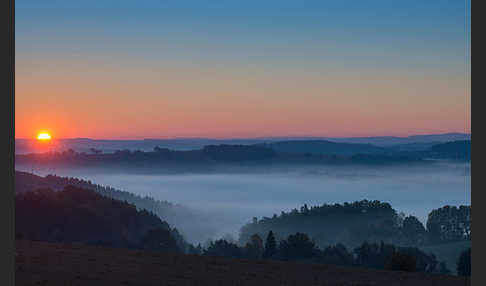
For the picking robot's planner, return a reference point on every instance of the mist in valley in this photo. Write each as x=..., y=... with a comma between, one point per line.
x=223, y=199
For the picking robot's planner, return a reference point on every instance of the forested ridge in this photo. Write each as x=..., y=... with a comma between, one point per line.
x=374, y=221
x=174, y=214
x=78, y=215
x=285, y=152
x=359, y=234
x=84, y=216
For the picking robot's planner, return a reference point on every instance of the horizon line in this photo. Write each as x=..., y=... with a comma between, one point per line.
x=253, y=138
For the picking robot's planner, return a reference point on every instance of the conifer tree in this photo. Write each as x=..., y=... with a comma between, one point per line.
x=270, y=246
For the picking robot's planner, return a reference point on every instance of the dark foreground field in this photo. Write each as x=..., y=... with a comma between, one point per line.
x=41, y=263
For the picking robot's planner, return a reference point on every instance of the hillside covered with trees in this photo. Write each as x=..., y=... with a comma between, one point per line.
x=284, y=152
x=299, y=247
x=360, y=234
x=84, y=216
x=76, y=215
x=372, y=221
x=187, y=220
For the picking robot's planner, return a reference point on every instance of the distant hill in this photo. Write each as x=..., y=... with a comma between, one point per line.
x=321, y=152
x=456, y=150
x=24, y=146
x=371, y=221
x=189, y=222
x=413, y=147
x=27, y=182
x=84, y=216
x=281, y=152
x=388, y=141
x=349, y=224
x=238, y=153
x=323, y=147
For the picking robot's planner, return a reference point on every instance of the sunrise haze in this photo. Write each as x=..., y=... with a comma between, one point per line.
x=239, y=69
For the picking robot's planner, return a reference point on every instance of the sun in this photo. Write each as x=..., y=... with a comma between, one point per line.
x=44, y=136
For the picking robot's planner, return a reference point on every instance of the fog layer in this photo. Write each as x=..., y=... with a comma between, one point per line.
x=229, y=198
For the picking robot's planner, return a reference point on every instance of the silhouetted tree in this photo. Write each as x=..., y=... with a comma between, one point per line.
x=270, y=246
x=373, y=255
x=223, y=248
x=464, y=263
x=296, y=247
x=229, y=238
x=304, y=209
x=337, y=255
x=388, y=256
x=449, y=224
x=254, y=248
x=413, y=231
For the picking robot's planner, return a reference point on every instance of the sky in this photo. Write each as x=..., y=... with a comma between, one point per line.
x=231, y=69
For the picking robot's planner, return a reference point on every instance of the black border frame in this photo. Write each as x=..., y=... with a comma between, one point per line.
x=478, y=153
x=7, y=199
x=7, y=266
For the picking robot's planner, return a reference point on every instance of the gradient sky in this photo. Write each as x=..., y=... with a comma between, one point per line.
x=159, y=69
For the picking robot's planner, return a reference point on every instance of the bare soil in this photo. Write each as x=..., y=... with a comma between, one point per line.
x=42, y=263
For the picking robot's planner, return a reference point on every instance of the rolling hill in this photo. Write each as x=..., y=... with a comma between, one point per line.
x=323, y=147
x=84, y=216
x=188, y=221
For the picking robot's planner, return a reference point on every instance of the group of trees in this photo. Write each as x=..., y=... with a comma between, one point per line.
x=208, y=154
x=73, y=210
x=374, y=221
x=298, y=152
x=238, y=153
x=464, y=263
x=455, y=150
x=189, y=222
x=449, y=224
x=324, y=147
x=81, y=215
x=299, y=247
x=170, y=212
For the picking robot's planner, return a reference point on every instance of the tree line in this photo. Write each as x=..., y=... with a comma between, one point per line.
x=353, y=223
x=84, y=216
x=190, y=222
x=299, y=247
x=214, y=154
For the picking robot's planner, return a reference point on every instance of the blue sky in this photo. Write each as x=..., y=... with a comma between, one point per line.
x=374, y=43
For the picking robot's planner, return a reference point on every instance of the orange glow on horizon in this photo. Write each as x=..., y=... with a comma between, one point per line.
x=43, y=136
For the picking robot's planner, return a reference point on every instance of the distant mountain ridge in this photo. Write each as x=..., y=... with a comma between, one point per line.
x=23, y=146
x=323, y=147
x=387, y=141
x=456, y=150
x=282, y=152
